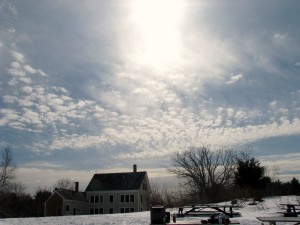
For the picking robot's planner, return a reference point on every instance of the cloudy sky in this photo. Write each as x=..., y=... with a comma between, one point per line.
x=96, y=86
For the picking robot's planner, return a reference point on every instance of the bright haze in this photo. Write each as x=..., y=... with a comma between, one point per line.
x=96, y=86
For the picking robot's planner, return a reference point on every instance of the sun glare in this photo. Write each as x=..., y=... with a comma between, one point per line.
x=158, y=26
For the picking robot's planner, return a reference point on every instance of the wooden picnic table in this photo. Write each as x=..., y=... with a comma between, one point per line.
x=290, y=210
x=202, y=210
x=273, y=220
x=196, y=223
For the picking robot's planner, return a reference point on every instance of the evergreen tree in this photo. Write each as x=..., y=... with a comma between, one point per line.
x=250, y=174
x=295, y=186
x=40, y=197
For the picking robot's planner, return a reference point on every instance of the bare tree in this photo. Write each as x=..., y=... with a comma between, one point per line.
x=207, y=173
x=166, y=196
x=17, y=188
x=64, y=183
x=7, y=168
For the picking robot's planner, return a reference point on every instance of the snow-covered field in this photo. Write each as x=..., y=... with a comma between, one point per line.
x=249, y=213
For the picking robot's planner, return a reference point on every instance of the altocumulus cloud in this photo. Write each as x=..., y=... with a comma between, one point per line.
x=75, y=84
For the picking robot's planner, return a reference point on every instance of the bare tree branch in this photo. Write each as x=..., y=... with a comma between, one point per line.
x=7, y=168
x=206, y=171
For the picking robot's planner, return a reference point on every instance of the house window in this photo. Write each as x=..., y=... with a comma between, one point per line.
x=96, y=198
x=127, y=198
x=111, y=198
x=122, y=210
x=96, y=211
x=141, y=198
x=101, y=211
x=131, y=198
x=101, y=198
x=111, y=210
x=67, y=208
x=92, y=211
x=92, y=199
x=131, y=209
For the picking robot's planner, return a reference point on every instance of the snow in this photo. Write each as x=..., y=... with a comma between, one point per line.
x=249, y=213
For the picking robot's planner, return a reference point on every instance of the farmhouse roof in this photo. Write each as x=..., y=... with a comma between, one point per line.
x=116, y=181
x=71, y=195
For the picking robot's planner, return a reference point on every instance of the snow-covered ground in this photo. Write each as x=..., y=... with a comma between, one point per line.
x=249, y=213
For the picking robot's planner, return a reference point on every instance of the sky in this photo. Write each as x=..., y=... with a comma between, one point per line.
x=97, y=86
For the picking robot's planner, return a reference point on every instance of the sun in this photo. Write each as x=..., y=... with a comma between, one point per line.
x=158, y=25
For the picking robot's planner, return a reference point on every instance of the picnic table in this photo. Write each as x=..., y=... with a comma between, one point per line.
x=274, y=219
x=290, y=210
x=196, y=223
x=207, y=210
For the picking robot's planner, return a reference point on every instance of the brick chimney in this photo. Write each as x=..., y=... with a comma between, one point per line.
x=76, y=186
x=134, y=168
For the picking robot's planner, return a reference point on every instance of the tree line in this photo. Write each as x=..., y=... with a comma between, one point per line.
x=14, y=200
x=208, y=175
x=214, y=175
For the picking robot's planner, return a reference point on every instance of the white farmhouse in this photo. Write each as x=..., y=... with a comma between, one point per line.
x=106, y=193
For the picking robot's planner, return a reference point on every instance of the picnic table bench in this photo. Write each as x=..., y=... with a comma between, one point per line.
x=273, y=220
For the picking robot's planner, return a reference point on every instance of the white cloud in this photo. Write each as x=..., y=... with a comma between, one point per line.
x=26, y=80
x=27, y=89
x=287, y=163
x=166, y=134
x=39, y=90
x=17, y=125
x=50, y=117
x=16, y=72
x=15, y=65
x=9, y=99
x=17, y=56
x=13, y=82
x=273, y=103
x=30, y=69
x=11, y=30
x=77, y=142
x=60, y=89
x=8, y=115
x=281, y=36
x=30, y=117
x=25, y=103
x=43, y=108
x=235, y=78
x=42, y=73
x=55, y=102
x=43, y=165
